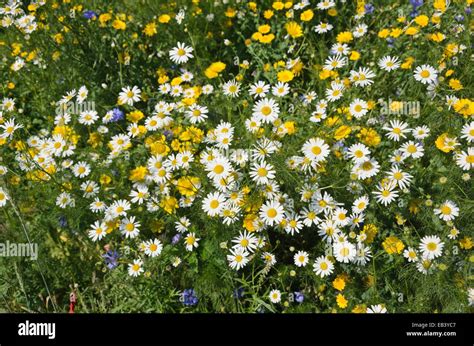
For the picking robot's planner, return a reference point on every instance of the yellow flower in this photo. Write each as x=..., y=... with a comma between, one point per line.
x=422, y=20
x=169, y=204
x=138, y=174
x=264, y=29
x=266, y=38
x=58, y=38
x=164, y=18
x=464, y=107
x=285, y=76
x=411, y=30
x=369, y=136
x=278, y=5
x=341, y=301
x=150, y=29
x=230, y=12
x=268, y=14
x=342, y=132
x=135, y=116
x=466, y=243
x=384, y=33
x=437, y=37
x=214, y=69
x=393, y=245
x=339, y=284
x=104, y=18
x=306, y=15
x=359, y=309
x=293, y=29
x=440, y=5
x=455, y=84
x=188, y=186
x=119, y=25
x=396, y=32
x=354, y=55
x=344, y=37
x=408, y=63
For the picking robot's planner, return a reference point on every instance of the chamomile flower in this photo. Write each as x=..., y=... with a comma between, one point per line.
x=247, y=241
x=196, y=114
x=360, y=204
x=412, y=149
x=386, y=193
x=396, y=130
x=425, y=74
x=388, y=63
x=366, y=169
x=266, y=110
x=344, y=251
x=98, y=231
x=335, y=92
x=323, y=266
x=259, y=89
x=190, y=241
x=238, y=258
x=262, y=173
x=362, y=77
x=213, y=203
x=129, y=227
x=63, y=201
x=402, y=179
x=135, y=268
x=301, y=258
x=468, y=132
x=315, y=149
x=447, y=211
x=410, y=254
x=280, y=89
x=376, y=309
x=335, y=62
x=275, y=296
x=358, y=152
x=271, y=213
x=130, y=95
x=81, y=169
x=153, y=248
x=431, y=247
x=322, y=28
x=465, y=159
x=181, y=53
x=293, y=224
x=3, y=197
x=231, y=88
x=9, y=128
x=358, y=108
x=421, y=132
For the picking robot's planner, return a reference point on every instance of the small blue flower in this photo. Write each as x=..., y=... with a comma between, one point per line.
x=175, y=238
x=117, y=115
x=239, y=293
x=62, y=221
x=111, y=259
x=168, y=134
x=299, y=297
x=416, y=3
x=369, y=8
x=189, y=297
x=89, y=14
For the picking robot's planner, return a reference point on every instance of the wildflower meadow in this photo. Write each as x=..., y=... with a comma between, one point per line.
x=236, y=156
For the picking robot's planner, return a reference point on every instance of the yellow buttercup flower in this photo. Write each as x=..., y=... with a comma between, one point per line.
x=294, y=29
